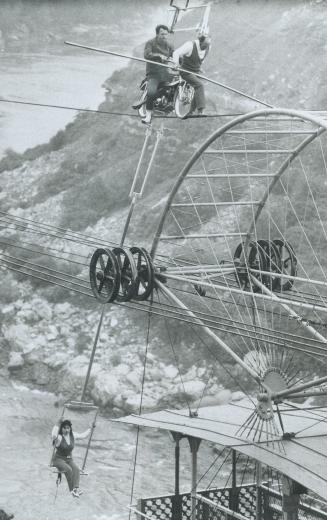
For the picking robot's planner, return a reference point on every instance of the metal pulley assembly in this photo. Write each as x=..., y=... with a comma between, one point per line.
x=104, y=275
x=121, y=274
x=266, y=260
x=145, y=273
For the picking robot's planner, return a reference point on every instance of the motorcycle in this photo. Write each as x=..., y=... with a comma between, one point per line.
x=173, y=95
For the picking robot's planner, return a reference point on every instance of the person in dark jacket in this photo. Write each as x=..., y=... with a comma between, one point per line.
x=63, y=440
x=158, y=49
x=190, y=57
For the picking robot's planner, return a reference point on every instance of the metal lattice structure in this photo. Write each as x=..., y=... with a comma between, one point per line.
x=160, y=507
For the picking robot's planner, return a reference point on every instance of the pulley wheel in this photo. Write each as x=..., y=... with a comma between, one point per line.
x=128, y=274
x=104, y=275
x=145, y=273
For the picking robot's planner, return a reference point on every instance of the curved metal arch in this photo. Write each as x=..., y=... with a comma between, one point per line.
x=278, y=175
x=321, y=124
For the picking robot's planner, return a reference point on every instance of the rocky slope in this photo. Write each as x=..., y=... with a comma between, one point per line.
x=81, y=179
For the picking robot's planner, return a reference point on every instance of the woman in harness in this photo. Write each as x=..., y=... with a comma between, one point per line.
x=63, y=440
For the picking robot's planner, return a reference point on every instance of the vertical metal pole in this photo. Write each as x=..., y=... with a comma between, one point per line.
x=134, y=194
x=290, y=499
x=234, y=469
x=89, y=441
x=194, y=479
x=204, y=24
x=128, y=219
x=147, y=137
x=176, y=501
x=194, y=445
x=159, y=136
x=177, y=454
x=259, y=494
x=92, y=355
x=140, y=508
x=233, y=493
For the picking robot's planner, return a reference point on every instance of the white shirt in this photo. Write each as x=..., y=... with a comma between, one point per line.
x=186, y=50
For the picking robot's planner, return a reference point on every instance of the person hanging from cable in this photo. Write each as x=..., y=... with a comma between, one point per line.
x=160, y=50
x=63, y=440
x=190, y=57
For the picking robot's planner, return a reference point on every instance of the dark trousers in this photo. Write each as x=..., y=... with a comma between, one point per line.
x=199, y=97
x=152, y=89
x=70, y=469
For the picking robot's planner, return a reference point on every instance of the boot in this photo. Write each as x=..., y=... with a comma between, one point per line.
x=148, y=116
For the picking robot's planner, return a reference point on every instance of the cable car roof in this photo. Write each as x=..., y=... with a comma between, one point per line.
x=302, y=457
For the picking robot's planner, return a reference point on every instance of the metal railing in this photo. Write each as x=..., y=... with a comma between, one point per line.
x=225, y=504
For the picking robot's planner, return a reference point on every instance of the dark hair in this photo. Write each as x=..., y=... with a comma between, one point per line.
x=161, y=27
x=64, y=423
x=202, y=38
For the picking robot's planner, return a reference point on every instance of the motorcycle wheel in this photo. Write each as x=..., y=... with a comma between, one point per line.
x=142, y=109
x=183, y=100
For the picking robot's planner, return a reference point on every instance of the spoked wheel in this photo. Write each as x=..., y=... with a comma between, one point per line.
x=254, y=259
x=272, y=263
x=254, y=240
x=104, y=275
x=183, y=100
x=128, y=274
x=288, y=264
x=145, y=273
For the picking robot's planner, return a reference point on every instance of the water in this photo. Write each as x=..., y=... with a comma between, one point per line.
x=50, y=79
x=66, y=79
x=28, y=487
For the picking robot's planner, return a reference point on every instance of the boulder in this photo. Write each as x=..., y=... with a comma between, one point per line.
x=77, y=367
x=23, y=338
x=155, y=374
x=113, y=321
x=134, y=378
x=170, y=372
x=43, y=309
x=190, y=375
x=36, y=343
x=52, y=333
x=63, y=308
x=238, y=396
x=121, y=370
x=58, y=359
x=133, y=402
x=7, y=309
x=40, y=374
x=106, y=388
x=16, y=361
x=194, y=388
x=224, y=396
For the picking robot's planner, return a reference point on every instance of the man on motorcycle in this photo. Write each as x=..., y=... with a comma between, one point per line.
x=158, y=49
x=190, y=57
